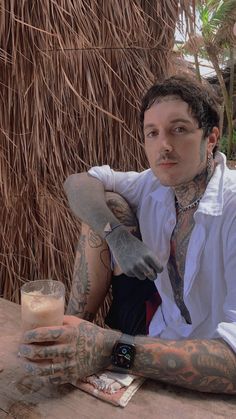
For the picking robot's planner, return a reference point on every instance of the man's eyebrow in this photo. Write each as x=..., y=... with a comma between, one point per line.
x=172, y=121
x=185, y=120
x=149, y=126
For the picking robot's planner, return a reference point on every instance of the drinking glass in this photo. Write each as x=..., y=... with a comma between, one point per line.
x=42, y=303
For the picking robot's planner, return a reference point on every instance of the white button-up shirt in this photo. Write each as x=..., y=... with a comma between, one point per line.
x=210, y=267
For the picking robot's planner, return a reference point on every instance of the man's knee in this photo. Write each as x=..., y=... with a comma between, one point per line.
x=121, y=209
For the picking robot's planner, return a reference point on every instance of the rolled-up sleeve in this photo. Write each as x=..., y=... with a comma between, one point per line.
x=131, y=185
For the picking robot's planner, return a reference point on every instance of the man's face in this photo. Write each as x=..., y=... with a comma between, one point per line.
x=174, y=144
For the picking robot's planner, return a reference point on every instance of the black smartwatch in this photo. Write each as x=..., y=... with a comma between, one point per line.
x=123, y=353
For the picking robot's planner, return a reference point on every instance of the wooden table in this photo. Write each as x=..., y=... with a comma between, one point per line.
x=153, y=400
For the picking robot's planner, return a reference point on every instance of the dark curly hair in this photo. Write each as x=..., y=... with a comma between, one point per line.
x=201, y=98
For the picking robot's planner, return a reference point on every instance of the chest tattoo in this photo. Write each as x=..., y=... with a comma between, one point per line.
x=176, y=264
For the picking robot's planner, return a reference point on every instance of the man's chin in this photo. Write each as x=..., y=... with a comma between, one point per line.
x=168, y=182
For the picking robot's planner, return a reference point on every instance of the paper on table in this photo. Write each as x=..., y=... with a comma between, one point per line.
x=114, y=388
x=124, y=379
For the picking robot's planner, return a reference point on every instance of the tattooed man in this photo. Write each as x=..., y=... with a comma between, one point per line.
x=185, y=205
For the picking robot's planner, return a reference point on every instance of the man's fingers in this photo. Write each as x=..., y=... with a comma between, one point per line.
x=150, y=275
x=138, y=273
x=50, y=334
x=129, y=272
x=144, y=271
x=42, y=352
x=154, y=264
x=50, y=369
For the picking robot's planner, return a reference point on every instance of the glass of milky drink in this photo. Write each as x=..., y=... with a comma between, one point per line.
x=42, y=303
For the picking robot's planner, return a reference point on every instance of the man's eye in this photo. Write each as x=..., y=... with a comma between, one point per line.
x=179, y=130
x=152, y=134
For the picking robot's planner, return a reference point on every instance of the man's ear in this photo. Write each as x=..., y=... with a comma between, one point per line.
x=212, y=139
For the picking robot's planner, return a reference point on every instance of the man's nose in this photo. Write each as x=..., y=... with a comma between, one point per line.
x=165, y=142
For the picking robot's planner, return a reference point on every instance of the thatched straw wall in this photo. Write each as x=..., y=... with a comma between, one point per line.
x=72, y=73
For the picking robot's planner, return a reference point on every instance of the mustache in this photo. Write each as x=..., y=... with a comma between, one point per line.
x=167, y=157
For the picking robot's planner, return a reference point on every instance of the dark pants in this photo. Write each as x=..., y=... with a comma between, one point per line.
x=128, y=309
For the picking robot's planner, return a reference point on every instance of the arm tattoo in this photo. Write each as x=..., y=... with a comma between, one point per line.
x=122, y=211
x=104, y=258
x=81, y=285
x=124, y=214
x=94, y=240
x=89, y=344
x=204, y=365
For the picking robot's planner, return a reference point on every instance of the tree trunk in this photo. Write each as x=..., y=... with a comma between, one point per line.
x=231, y=80
x=222, y=111
x=192, y=34
x=198, y=73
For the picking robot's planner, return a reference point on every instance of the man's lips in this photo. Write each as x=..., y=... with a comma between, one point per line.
x=167, y=163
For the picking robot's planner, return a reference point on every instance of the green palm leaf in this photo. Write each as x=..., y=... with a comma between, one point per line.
x=214, y=14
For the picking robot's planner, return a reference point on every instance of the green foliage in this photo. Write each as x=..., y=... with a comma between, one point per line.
x=213, y=14
x=224, y=144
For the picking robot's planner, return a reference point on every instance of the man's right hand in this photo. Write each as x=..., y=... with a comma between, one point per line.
x=67, y=353
x=132, y=255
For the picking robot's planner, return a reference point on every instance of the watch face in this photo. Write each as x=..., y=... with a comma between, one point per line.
x=123, y=355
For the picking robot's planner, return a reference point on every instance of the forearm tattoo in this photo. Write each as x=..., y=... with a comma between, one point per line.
x=204, y=365
x=94, y=240
x=91, y=275
x=123, y=213
x=81, y=284
x=92, y=342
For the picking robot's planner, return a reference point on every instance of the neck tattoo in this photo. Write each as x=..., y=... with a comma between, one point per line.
x=187, y=207
x=192, y=192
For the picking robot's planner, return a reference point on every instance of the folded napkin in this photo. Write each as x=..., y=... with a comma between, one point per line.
x=114, y=388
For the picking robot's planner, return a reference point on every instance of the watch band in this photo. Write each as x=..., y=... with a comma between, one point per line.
x=129, y=339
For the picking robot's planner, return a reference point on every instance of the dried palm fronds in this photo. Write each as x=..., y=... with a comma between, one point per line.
x=71, y=75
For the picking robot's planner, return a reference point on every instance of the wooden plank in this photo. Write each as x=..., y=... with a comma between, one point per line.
x=23, y=398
